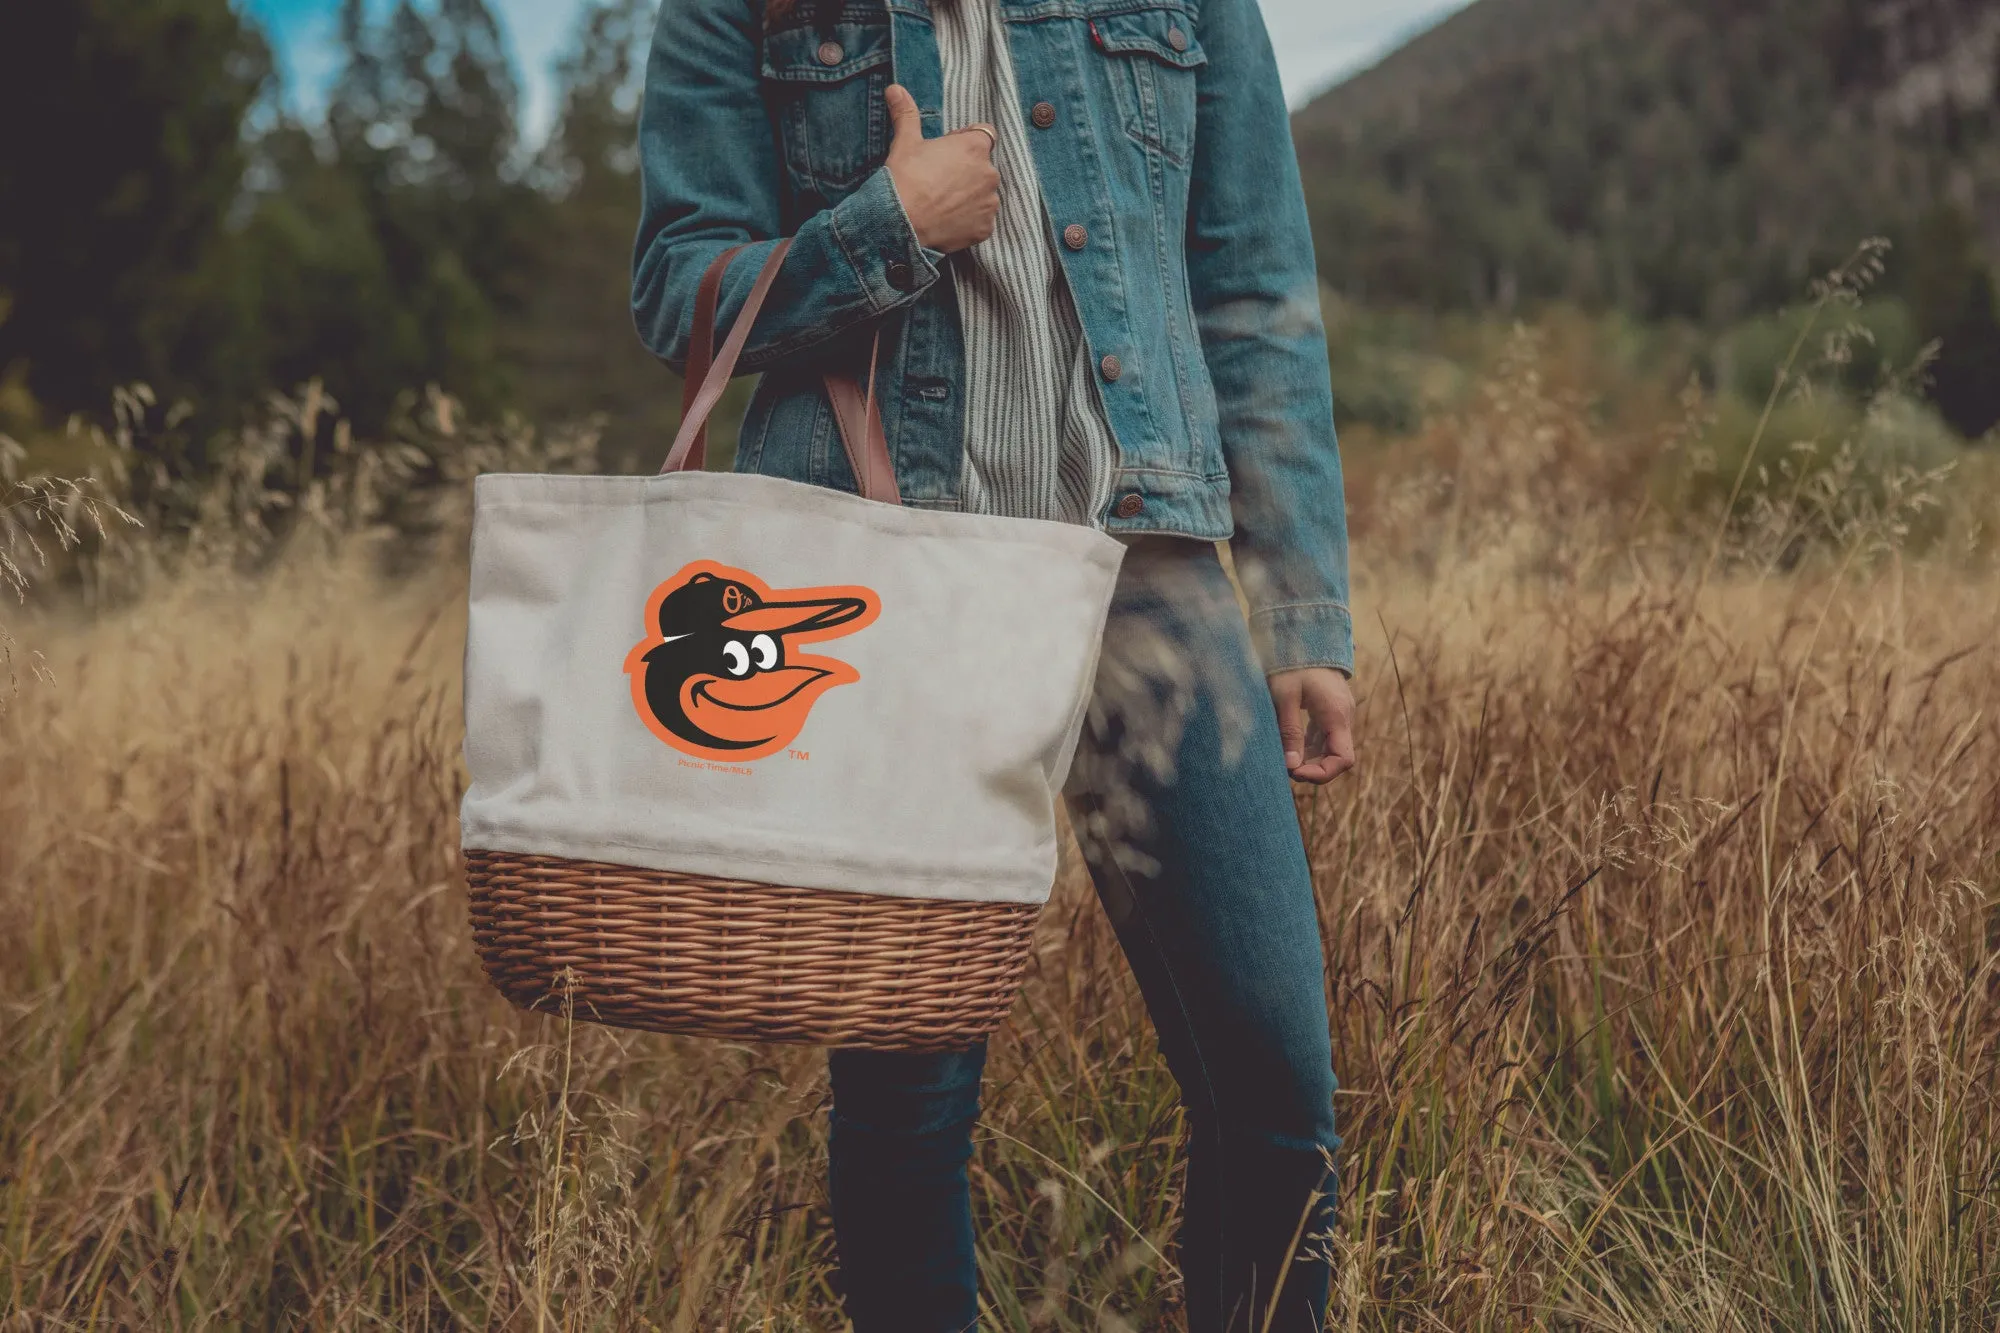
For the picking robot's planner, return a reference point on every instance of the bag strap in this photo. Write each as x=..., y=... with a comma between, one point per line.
x=859, y=416
x=701, y=352
x=716, y=377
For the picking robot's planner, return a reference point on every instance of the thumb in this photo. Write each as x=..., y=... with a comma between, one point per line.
x=1291, y=722
x=906, y=121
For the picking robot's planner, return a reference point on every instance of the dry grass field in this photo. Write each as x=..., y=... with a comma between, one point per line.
x=1662, y=925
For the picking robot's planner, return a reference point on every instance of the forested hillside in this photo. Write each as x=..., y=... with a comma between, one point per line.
x=168, y=218
x=1695, y=159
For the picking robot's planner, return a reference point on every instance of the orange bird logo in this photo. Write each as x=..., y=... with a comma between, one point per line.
x=719, y=675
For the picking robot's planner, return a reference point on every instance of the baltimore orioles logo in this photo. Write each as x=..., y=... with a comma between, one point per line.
x=718, y=676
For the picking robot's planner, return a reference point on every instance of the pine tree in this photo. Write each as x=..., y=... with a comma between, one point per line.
x=1952, y=298
x=579, y=354
x=120, y=163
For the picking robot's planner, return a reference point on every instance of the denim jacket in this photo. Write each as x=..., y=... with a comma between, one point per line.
x=1161, y=137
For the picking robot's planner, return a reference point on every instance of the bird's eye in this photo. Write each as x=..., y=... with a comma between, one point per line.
x=738, y=658
x=766, y=649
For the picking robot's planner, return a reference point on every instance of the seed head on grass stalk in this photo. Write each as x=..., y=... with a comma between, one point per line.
x=1633, y=1034
x=36, y=511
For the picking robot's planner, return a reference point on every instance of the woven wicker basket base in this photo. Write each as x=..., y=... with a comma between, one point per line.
x=755, y=962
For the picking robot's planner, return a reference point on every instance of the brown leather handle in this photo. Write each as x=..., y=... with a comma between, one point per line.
x=701, y=351
x=709, y=373
x=695, y=412
x=860, y=418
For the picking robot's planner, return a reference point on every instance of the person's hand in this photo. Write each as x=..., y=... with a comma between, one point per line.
x=1321, y=695
x=949, y=186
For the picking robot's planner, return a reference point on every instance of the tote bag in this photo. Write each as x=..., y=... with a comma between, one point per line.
x=756, y=759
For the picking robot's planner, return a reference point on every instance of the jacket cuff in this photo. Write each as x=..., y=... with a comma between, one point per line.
x=873, y=231
x=1304, y=634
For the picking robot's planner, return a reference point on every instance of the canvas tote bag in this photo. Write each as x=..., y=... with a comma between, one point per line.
x=756, y=759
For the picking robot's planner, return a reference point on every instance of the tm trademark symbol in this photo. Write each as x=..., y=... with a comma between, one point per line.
x=798, y=754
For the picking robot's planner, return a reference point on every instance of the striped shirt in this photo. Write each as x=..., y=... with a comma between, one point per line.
x=1037, y=441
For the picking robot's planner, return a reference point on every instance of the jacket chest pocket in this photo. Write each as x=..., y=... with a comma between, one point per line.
x=1154, y=59
x=826, y=92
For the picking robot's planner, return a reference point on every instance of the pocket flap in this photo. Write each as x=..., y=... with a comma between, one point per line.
x=806, y=55
x=1167, y=35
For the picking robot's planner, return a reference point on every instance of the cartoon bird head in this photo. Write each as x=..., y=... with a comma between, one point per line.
x=722, y=676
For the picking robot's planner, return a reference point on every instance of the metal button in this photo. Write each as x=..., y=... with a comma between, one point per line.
x=1044, y=115
x=901, y=276
x=1076, y=236
x=1112, y=368
x=1175, y=38
x=832, y=53
x=1131, y=506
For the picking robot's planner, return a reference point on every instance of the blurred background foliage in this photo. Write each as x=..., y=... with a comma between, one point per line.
x=1645, y=179
x=1664, y=927
x=1690, y=162
x=173, y=221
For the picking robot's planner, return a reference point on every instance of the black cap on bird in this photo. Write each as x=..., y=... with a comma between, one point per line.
x=719, y=677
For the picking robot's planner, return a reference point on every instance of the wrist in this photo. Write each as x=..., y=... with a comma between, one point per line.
x=920, y=231
x=890, y=265
x=1310, y=669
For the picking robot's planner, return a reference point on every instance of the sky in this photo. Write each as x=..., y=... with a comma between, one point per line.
x=1318, y=41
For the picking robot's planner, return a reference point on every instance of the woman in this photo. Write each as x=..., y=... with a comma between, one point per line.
x=1079, y=227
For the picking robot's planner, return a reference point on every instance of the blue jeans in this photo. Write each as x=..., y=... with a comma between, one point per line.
x=1185, y=814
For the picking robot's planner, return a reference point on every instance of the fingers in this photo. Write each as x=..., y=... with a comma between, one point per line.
x=949, y=187
x=905, y=120
x=1286, y=695
x=1320, y=694
x=1331, y=705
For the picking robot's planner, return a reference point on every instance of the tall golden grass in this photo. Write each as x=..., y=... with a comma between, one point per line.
x=1662, y=926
